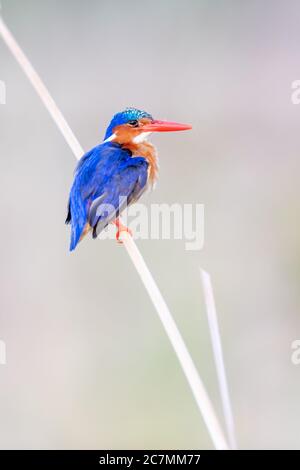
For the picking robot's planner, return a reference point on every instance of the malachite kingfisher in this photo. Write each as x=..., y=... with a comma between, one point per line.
x=115, y=173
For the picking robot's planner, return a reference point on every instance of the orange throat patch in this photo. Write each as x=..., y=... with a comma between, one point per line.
x=148, y=151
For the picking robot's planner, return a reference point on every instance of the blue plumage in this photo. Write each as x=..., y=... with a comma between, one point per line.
x=106, y=179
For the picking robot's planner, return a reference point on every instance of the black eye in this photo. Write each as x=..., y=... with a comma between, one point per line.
x=134, y=123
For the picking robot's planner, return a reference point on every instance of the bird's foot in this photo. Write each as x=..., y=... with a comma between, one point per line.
x=121, y=228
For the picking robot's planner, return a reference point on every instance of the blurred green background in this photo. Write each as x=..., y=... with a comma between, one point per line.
x=88, y=364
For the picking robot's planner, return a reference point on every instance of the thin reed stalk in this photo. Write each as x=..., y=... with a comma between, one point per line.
x=218, y=356
x=197, y=387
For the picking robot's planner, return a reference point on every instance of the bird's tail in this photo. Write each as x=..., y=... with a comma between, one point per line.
x=77, y=217
x=75, y=236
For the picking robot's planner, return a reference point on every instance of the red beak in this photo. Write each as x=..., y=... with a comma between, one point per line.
x=165, y=126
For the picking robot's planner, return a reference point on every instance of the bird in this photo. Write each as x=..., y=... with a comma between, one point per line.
x=115, y=173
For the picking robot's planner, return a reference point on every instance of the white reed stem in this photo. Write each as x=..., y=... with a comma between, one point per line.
x=218, y=356
x=171, y=329
x=41, y=90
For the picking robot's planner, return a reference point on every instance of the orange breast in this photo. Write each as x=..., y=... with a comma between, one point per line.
x=148, y=151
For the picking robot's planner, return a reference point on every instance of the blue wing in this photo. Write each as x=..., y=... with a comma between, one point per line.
x=107, y=179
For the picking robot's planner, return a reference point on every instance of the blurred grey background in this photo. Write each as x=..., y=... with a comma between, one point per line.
x=88, y=364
